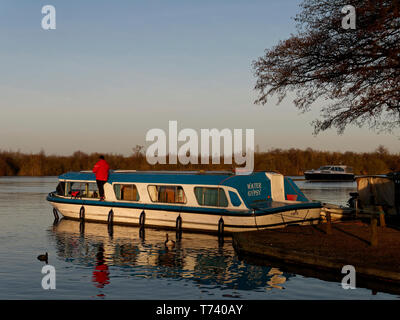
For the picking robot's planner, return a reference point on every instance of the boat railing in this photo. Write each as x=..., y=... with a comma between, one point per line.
x=205, y=172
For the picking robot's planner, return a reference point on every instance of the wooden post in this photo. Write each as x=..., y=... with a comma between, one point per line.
x=382, y=222
x=374, y=231
x=356, y=205
x=328, y=223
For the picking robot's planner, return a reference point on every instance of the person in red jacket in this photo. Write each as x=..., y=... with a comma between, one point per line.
x=101, y=170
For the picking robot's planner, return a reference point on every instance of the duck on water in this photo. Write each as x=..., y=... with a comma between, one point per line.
x=169, y=243
x=43, y=257
x=213, y=202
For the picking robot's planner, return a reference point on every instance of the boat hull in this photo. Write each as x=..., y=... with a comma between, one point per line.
x=190, y=221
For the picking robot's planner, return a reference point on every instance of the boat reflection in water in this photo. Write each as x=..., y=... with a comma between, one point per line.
x=121, y=251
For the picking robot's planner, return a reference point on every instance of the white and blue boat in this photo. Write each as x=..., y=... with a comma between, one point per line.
x=214, y=202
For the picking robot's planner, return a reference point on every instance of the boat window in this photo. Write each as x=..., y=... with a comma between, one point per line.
x=340, y=169
x=167, y=194
x=126, y=192
x=61, y=189
x=234, y=199
x=76, y=189
x=324, y=168
x=81, y=190
x=92, y=190
x=211, y=197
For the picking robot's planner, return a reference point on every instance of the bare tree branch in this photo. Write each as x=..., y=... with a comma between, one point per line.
x=357, y=70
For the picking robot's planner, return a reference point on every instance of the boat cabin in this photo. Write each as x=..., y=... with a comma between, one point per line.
x=336, y=168
x=183, y=189
x=220, y=202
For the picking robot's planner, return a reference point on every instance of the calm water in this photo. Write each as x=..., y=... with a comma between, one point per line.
x=136, y=268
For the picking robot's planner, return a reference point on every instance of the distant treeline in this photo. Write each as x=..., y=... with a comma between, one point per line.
x=287, y=162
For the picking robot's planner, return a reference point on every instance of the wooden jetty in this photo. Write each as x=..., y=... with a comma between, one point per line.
x=372, y=248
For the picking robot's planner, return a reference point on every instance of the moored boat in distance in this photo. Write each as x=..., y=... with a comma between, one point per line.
x=214, y=202
x=330, y=173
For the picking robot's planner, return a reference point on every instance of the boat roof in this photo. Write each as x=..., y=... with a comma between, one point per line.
x=175, y=177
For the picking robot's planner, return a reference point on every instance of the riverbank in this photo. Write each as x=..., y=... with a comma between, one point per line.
x=291, y=162
x=311, y=247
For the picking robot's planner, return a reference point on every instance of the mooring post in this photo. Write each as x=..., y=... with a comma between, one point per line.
x=356, y=206
x=382, y=222
x=374, y=231
x=328, y=223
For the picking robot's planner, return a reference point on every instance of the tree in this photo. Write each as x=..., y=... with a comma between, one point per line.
x=137, y=151
x=358, y=70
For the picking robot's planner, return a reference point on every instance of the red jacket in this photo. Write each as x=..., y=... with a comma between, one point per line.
x=101, y=170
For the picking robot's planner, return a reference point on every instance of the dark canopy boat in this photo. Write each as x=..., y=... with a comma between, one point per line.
x=330, y=173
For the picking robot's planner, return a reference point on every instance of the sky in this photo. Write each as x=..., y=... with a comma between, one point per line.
x=113, y=70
